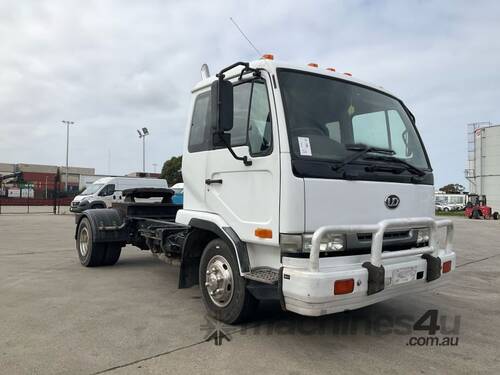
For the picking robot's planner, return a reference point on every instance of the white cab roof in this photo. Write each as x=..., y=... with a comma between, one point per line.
x=272, y=65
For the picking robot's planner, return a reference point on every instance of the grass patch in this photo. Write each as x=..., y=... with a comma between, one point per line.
x=450, y=213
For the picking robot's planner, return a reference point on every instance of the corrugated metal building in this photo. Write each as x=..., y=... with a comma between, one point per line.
x=483, y=170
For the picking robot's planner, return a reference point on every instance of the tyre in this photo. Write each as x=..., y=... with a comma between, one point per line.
x=91, y=254
x=224, y=291
x=94, y=254
x=113, y=252
x=495, y=215
x=446, y=209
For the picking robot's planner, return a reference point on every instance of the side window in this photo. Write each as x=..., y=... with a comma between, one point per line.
x=241, y=100
x=259, y=123
x=199, y=136
x=107, y=190
x=370, y=129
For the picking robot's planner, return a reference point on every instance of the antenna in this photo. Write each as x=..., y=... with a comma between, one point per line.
x=248, y=40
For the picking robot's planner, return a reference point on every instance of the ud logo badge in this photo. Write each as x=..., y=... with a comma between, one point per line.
x=392, y=201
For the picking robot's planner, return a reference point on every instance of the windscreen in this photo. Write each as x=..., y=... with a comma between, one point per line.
x=324, y=115
x=92, y=189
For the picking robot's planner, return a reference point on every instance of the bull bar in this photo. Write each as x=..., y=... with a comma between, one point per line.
x=374, y=266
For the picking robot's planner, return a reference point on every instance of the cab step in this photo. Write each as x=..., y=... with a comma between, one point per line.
x=264, y=275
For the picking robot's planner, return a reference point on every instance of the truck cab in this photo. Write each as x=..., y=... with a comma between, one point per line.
x=323, y=177
x=301, y=184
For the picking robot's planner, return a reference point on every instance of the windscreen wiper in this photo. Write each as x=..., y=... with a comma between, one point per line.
x=409, y=167
x=362, y=150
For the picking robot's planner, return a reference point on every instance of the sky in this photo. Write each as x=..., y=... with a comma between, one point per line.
x=115, y=66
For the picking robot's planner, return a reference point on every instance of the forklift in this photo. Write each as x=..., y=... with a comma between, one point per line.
x=477, y=208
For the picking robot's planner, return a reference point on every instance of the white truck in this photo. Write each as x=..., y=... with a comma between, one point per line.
x=300, y=184
x=106, y=190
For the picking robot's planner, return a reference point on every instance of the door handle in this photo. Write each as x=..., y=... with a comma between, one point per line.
x=208, y=181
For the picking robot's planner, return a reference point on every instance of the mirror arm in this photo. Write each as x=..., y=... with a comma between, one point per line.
x=220, y=75
x=244, y=159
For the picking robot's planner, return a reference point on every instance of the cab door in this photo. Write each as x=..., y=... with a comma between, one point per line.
x=247, y=196
x=107, y=194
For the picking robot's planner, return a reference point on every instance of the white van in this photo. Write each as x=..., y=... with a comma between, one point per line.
x=104, y=191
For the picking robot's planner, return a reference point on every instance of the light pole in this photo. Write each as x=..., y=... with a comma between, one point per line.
x=143, y=135
x=67, y=123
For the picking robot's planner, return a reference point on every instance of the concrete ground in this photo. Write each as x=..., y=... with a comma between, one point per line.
x=57, y=317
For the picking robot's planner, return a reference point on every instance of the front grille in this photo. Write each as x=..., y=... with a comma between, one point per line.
x=387, y=235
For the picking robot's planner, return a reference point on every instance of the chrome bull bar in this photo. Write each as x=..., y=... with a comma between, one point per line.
x=378, y=230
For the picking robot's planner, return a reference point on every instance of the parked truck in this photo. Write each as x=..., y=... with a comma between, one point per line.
x=302, y=185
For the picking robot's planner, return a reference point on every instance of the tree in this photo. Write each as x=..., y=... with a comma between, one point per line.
x=171, y=170
x=453, y=189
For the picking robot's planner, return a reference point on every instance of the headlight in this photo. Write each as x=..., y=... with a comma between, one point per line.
x=423, y=235
x=303, y=243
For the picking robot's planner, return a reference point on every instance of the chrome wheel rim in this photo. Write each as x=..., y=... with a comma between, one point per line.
x=84, y=241
x=219, y=281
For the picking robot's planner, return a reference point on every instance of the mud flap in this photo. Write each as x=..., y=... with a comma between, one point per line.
x=433, y=267
x=376, y=278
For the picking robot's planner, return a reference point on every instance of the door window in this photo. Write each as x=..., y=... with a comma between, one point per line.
x=199, y=133
x=259, y=123
x=241, y=100
x=107, y=190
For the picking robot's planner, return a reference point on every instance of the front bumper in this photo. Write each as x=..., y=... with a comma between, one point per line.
x=79, y=206
x=308, y=284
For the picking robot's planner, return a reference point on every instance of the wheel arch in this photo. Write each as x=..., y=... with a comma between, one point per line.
x=101, y=220
x=201, y=233
x=93, y=204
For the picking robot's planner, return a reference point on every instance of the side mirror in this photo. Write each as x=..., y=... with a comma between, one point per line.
x=221, y=106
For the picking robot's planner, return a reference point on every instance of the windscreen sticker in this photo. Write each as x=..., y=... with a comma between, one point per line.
x=304, y=146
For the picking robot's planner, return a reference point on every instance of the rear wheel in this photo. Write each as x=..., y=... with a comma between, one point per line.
x=113, y=252
x=91, y=253
x=223, y=289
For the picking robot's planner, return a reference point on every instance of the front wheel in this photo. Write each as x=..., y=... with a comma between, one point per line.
x=495, y=215
x=223, y=289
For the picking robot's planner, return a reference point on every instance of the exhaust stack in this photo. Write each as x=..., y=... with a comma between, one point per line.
x=205, y=73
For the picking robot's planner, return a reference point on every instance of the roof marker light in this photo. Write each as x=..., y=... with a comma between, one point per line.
x=267, y=56
x=331, y=69
x=348, y=74
x=313, y=65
